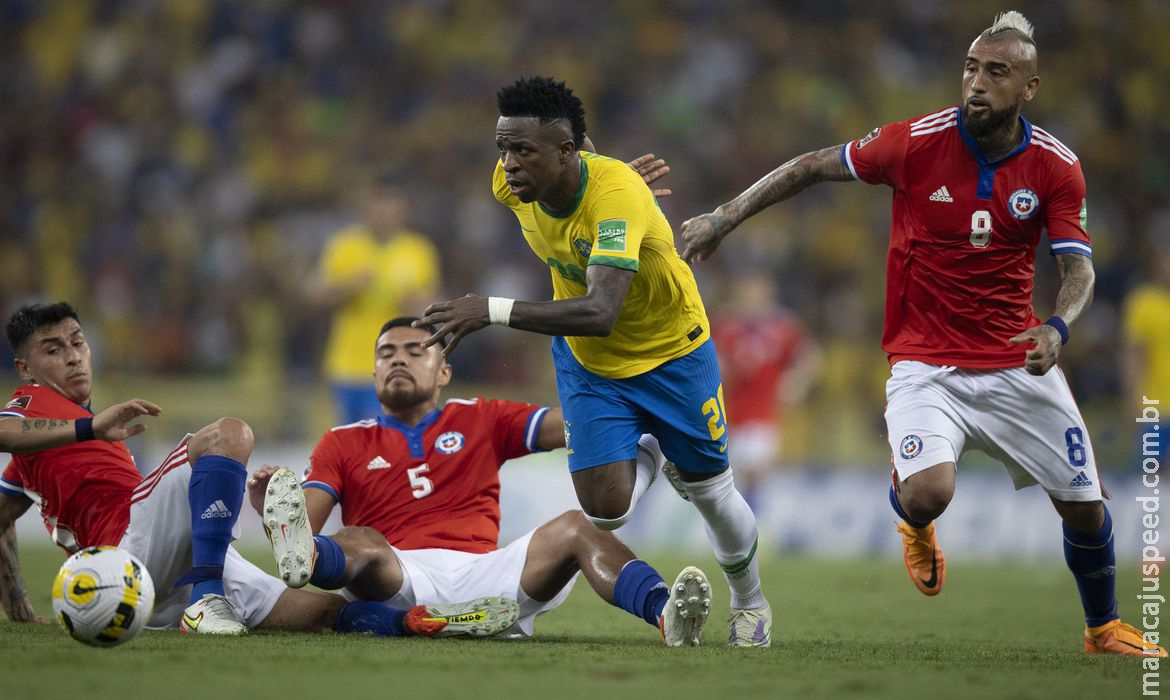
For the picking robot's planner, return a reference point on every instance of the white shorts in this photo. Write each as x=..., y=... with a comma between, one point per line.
x=160, y=536
x=448, y=576
x=1030, y=424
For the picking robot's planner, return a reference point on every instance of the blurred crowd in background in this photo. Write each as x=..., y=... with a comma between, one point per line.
x=176, y=167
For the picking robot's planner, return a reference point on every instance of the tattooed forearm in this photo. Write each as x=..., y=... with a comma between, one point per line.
x=13, y=596
x=1076, y=286
x=44, y=424
x=785, y=181
x=19, y=435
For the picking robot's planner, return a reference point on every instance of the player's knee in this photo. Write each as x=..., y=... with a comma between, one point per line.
x=1085, y=517
x=229, y=437
x=926, y=504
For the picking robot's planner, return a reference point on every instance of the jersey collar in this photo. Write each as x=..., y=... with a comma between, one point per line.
x=413, y=434
x=568, y=211
x=976, y=151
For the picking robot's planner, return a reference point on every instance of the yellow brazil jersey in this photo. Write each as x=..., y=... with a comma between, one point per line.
x=404, y=269
x=615, y=221
x=1145, y=314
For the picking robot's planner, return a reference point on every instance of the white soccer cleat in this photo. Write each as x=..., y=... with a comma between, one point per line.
x=750, y=627
x=212, y=614
x=286, y=521
x=675, y=481
x=686, y=609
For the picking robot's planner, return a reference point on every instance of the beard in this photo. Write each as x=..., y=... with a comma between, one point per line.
x=402, y=398
x=987, y=123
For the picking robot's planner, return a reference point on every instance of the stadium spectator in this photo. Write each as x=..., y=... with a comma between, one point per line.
x=631, y=341
x=974, y=188
x=768, y=363
x=425, y=481
x=178, y=521
x=1146, y=353
x=369, y=272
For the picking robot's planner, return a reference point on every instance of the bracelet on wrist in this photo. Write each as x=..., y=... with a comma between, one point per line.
x=1061, y=327
x=83, y=429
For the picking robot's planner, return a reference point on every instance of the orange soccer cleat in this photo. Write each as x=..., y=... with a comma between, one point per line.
x=1116, y=637
x=924, y=559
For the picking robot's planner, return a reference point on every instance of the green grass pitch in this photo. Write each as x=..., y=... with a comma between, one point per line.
x=843, y=629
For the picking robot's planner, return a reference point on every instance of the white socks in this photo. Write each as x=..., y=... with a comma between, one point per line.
x=731, y=528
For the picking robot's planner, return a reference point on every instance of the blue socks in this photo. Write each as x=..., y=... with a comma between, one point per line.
x=916, y=524
x=329, y=569
x=640, y=591
x=215, y=493
x=367, y=616
x=1091, y=559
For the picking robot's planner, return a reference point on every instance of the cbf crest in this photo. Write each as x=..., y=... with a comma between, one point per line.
x=583, y=247
x=449, y=443
x=1023, y=203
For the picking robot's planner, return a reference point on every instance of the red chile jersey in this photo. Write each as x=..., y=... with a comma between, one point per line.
x=963, y=235
x=756, y=354
x=83, y=490
x=435, y=485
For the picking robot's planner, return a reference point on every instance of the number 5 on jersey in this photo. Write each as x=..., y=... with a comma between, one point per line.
x=420, y=486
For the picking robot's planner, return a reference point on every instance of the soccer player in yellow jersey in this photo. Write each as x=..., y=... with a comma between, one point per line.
x=631, y=346
x=369, y=272
x=1146, y=360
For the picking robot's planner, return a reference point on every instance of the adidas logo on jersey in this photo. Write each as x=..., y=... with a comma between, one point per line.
x=378, y=463
x=1080, y=480
x=216, y=510
x=941, y=195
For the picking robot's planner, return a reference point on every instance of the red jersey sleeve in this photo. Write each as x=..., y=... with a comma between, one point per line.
x=877, y=157
x=11, y=482
x=516, y=426
x=325, y=470
x=1066, y=212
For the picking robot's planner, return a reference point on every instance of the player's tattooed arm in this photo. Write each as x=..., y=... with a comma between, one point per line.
x=1076, y=286
x=703, y=234
x=1076, y=293
x=18, y=435
x=13, y=595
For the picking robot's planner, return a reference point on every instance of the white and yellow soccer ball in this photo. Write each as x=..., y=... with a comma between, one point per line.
x=103, y=596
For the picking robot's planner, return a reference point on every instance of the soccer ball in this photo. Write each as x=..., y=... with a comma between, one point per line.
x=103, y=596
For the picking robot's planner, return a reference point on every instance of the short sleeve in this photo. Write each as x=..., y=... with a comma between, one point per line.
x=515, y=427
x=325, y=470
x=11, y=483
x=878, y=156
x=500, y=187
x=618, y=223
x=1066, y=214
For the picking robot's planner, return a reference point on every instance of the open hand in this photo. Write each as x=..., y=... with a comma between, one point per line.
x=113, y=424
x=651, y=169
x=458, y=317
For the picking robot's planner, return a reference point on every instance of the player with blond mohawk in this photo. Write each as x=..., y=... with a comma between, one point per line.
x=972, y=366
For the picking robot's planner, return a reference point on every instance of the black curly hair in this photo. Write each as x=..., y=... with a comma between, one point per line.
x=545, y=99
x=31, y=317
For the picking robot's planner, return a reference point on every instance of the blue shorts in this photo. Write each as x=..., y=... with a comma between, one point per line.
x=679, y=402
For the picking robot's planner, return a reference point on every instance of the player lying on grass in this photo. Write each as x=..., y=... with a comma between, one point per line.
x=422, y=483
x=178, y=520
x=973, y=367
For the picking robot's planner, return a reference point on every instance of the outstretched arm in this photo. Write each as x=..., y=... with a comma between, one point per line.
x=13, y=596
x=590, y=315
x=18, y=435
x=703, y=234
x=1076, y=293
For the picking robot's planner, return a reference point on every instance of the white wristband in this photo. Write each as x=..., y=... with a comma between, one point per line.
x=500, y=310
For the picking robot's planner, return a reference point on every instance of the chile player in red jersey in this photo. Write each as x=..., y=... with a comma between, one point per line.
x=424, y=478
x=972, y=366
x=178, y=520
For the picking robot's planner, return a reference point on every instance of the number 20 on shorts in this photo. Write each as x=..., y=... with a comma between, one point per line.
x=716, y=416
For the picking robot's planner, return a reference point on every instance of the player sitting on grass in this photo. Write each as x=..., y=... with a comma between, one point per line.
x=972, y=366
x=425, y=479
x=178, y=520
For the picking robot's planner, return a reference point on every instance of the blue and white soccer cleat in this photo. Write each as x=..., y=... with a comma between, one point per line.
x=686, y=609
x=212, y=614
x=286, y=521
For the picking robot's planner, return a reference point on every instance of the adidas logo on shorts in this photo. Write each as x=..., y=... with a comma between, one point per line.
x=941, y=195
x=1080, y=481
x=216, y=510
